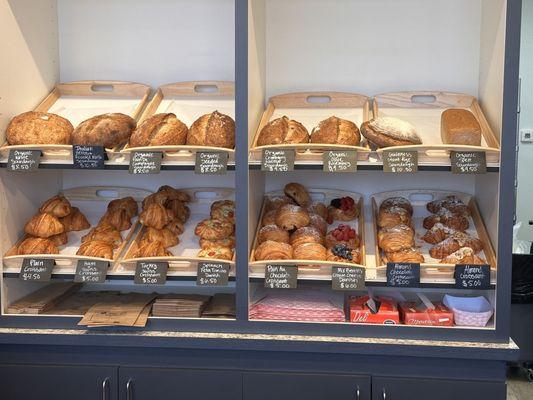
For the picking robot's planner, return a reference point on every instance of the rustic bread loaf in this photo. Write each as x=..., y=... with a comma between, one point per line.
x=160, y=130
x=108, y=130
x=336, y=130
x=35, y=127
x=389, y=132
x=283, y=131
x=215, y=129
x=459, y=126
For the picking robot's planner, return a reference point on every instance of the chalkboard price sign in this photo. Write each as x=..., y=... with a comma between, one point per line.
x=403, y=275
x=145, y=162
x=211, y=163
x=348, y=278
x=471, y=277
x=151, y=273
x=91, y=271
x=281, y=276
x=340, y=161
x=88, y=157
x=278, y=160
x=400, y=162
x=469, y=163
x=23, y=160
x=34, y=269
x=212, y=274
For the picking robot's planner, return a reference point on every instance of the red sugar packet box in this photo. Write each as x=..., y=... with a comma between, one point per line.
x=381, y=311
x=413, y=313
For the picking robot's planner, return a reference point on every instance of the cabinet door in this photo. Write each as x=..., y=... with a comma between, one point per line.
x=179, y=384
x=290, y=386
x=385, y=388
x=54, y=382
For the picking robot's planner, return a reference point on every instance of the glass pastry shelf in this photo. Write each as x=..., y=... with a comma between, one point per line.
x=119, y=166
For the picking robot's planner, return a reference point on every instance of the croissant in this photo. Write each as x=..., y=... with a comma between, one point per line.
x=174, y=194
x=396, y=238
x=44, y=225
x=437, y=234
x=213, y=229
x=59, y=240
x=409, y=255
x=454, y=221
x=392, y=216
x=155, y=198
x=96, y=248
x=156, y=216
x=75, y=221
x=34, y=245
x=175, y=226
x=291, y=217
x=270, y=250
x=273, y=233
x=298, y=193
x=151, y=249
x=127, y=203
x=464, y=255
x=401, y=202
x=179, y=209
x=58, y=206
x=104, y=232
x=318, y=208
x=454, y=243
x=307, y=234
x=450, y=203
x=310, y=251
x=118, y=218
x=165, y=236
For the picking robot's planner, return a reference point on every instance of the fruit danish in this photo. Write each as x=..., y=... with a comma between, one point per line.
x=44, y=225
x=213, y=229
x=270, y=250
x=396, y=238
x=343, y=234
x=455, y=242
x=343, y=253
x=291, y=217
x=273, y=233
x=218, y=253
x=342, y=209
x=58, y=206
x=298, y=194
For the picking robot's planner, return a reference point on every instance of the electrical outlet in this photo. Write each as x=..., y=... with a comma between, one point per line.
x=526, y=135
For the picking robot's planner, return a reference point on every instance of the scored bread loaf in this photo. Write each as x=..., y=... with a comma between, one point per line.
x=336, y=130
x=459, y=126
x=35, y=127
x=215, y=129
x=283, y=131
x=107, y=130
x=388, y=132
x=160, y=130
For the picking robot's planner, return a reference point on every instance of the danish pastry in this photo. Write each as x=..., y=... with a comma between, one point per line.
x=218, y=253
x=298, y=194
x=179, y=210
x=291, y=217
x=396, y=238
x=343, y=253
x=455, y=242
x=118, y=218
x=165, y=236
x=75, y=221
x=270, y=250
x=408, y=255
x=464, y=255
x=336, y=130
x=228, y=242
x=107, y=130
x=451, y=203
x=33, y=245
x=343, y=209
x=44, y=225
x=401, y=202
x=454, y=221
x=35, y=127
x=213, y=229
x=147, y=249
x=283, y=131
x=310, y=251
x=388, y=132
x=96, y=248
x=223, y=210
x=343, y=234
x=215, y=129
x=273, y=233
x=58, y=206
x=156, y=216
x=392, y=216
x=104, y=232
x=307, y=234
x=127, y=203
x=160, y=130
x=319, y=223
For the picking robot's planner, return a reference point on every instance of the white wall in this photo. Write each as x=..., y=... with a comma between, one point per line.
x=525, y=155
x=153, y=42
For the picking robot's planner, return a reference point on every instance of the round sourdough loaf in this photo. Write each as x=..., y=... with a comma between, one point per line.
x=107, y=130
x=336, y=130
x=35, y=127
x=283, y=131
x=215, y=129
x=160, y=130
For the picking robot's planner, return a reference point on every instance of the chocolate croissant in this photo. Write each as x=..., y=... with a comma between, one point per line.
x=44, y=225
x=165, y=236
x=396, y=238
x=273, y=233
x=310, y=251
x=75, y=221
x=96, y=248
x=307, y=234
x=291, y=217
x=118, y=218
x=58, y=206
x=455, y=242
x=270, y=250
x=33, y=245
x=298, y=193
x=156, y=216
x=104, y=232
x=457, y=222
x=408, y=255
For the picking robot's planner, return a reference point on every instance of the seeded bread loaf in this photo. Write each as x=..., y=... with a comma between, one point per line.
x=215, y=129
x=107, y=130
x=459, y=126
x=283, y=131
x=160, y=130
x=35, y=127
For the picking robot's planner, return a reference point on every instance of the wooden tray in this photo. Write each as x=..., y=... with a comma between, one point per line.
x=310, y=108
x=78, y=101
x=92, y=202
x=313, y=270
x=189, y=101
x=432, y=269
x=423, y=110
x=185, y=260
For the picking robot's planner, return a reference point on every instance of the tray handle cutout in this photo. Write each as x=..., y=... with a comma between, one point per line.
x=200, y=88
x=317, y=99
x=423, y=98
x=421, y=197
x=101, y=87
x=108, y=193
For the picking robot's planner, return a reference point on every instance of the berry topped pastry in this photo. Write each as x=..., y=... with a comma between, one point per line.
x=343, y=234
x=343, y=253
x=343, y=209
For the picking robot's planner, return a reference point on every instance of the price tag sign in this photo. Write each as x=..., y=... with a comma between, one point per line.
x=340, y=161
x=348, y=278
x=278, y=160
x=281, y=276
x=212, y=274
x=150, y=273
x=211, y=163
x=34, y=269
x=23, y=160
x=403, y=275
x=145, y=162
x=469, y=162
x=91, y=271
x=472, y=277
x=88, y=157
x=400, y=162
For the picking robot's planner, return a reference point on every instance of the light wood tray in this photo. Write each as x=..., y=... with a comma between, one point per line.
x=309, y=269
x=92, y=202
x=185, y=260
x=189, y=101
x=423, y=110
x=432, y=269
x=310, y=108
x=78, y=101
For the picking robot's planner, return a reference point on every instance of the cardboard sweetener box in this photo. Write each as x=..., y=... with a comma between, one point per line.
x=413, y=313
x=381, y=311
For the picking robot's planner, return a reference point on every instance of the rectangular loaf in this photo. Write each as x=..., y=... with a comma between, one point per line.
x=459, y=126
